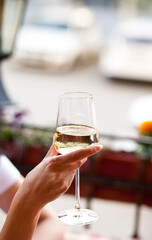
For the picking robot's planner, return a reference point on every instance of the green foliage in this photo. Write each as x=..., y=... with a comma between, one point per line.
x=26, y=136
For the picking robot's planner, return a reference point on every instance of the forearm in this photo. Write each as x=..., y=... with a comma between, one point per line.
x=21, y=221
x=27, y=222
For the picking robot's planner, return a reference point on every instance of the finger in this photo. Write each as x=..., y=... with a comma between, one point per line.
x=67, y=166
x=79, y=154
x=74, y=165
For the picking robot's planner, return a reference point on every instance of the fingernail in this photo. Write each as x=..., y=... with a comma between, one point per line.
x=99, y=147
x=96, y=148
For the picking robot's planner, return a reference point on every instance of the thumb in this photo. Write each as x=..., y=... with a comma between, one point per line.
x=52, y=151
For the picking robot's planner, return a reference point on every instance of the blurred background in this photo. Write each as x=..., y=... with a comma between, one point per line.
x=99, y=46
x=103, y=47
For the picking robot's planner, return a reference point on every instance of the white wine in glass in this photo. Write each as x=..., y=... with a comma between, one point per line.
x=76, y=129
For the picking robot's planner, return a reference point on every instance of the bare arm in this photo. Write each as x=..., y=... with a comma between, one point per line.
x=48, y=225
x=57, y=173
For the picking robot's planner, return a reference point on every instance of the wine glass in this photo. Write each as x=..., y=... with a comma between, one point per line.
x=76, y=128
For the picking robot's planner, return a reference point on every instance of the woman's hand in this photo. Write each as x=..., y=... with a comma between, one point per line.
x=46, y=182
x=53, y=176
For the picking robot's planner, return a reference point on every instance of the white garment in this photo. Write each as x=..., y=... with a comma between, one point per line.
x=8, y=174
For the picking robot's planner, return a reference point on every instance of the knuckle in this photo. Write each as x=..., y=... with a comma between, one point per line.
x=53, y=159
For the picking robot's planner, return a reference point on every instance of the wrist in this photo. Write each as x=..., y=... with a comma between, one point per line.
x=27, y=201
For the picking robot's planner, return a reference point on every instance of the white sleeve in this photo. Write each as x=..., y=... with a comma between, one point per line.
x=8, y=174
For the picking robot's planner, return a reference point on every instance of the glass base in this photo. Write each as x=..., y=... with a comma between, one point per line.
x=78, y=217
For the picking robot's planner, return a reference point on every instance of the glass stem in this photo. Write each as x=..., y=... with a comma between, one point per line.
x=77, y=189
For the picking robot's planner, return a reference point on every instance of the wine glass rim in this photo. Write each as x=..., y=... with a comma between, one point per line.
x=76, y=95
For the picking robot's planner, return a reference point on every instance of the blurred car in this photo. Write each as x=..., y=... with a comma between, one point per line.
x=58, y=39
x=128, y=51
